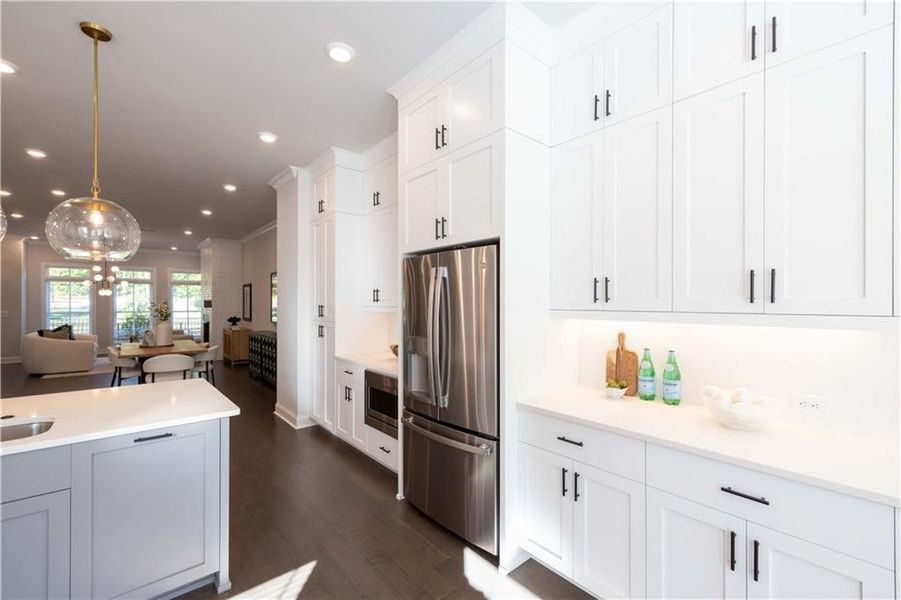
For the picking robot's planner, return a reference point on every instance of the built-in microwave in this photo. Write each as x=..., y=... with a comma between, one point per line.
x=381, y=402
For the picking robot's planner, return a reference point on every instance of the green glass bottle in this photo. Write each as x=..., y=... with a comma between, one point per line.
x=672, y=380
x=647, y=377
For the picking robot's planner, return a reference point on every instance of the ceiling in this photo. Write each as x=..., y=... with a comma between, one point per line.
x=185, y=87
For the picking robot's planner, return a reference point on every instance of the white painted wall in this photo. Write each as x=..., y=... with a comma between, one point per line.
x=12, y=315
x=220, y=265
x=258, y=261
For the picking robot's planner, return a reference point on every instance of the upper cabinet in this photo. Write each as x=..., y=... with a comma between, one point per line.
x=579, y=100
x=380, y=185
x=463, y=108
x=380, y=259
x=338, y=189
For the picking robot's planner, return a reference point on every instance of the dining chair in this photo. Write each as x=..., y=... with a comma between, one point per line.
x=123, y=368
x=168, y=367
x=203, y=364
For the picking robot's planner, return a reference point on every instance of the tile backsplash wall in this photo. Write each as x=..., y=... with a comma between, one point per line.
x=853, y=375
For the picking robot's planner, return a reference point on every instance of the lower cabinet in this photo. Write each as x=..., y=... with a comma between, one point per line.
x=145, y=511
x=586, y=523
x=349, y=413
x=324, y=375
x=34, y=547
x=381, y=446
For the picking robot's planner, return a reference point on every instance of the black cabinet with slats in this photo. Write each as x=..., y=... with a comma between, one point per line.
x=263, y=356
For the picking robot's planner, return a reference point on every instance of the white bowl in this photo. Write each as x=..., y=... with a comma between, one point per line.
x=739, y=409
x=616, y=393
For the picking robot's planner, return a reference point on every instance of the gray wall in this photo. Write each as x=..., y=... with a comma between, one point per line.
x=258, y=261
x=11, y=315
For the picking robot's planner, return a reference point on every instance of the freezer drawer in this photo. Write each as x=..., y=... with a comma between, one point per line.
x=452, y=477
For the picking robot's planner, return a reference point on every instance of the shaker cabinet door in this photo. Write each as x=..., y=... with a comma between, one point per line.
x=419, y=194
x=474, y=191
x=475, y=100
x=417, y=129
x=578, y=99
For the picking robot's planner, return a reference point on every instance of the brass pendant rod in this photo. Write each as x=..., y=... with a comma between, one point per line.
x=95, y=182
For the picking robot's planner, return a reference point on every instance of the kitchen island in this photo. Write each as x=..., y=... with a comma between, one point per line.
x=126, y=493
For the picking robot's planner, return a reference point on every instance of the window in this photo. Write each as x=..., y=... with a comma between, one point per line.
x=187, y=302
x=131, y=304
x=67, y=299
x=273, y=297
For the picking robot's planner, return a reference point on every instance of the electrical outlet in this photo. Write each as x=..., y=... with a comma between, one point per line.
x=809, y=406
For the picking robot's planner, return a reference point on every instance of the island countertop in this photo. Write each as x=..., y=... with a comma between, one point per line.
x=106, y=412
x=856, y=465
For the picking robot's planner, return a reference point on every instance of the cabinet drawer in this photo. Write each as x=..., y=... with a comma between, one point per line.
x=381, y=447
x=609, y=451
x=348, y=372
x=849, y=525
x=32, y=473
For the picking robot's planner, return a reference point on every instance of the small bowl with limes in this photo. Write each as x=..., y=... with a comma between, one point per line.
x=616, y=389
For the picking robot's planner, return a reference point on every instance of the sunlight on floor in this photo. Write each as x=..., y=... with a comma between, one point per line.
x=484, y=577
x=286, y=586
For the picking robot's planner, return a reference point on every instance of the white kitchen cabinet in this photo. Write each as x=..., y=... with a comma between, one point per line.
x=381, y=446
x=828, y=162
x=323, y=194
x=716, y=42
x=608, y=533
x=718, y=199
x=546, y=510
x=577, y=223
x=419, y=204
x=693, y=551
x=380, y=259
x=638, y=66
x=349, y=413
x=380, y=185
x=324, y=403
x=638, y=213
x=803, y=27
x=782, y=566
x=579, y=100
x=34, y=558
x=324, y=269
x=418, y=130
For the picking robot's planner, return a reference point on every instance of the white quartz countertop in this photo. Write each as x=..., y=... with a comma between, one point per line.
x=380, y=362
x=860, y=466
x=106, y=412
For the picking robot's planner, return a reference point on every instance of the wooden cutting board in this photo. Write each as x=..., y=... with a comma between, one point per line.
x=622, y=364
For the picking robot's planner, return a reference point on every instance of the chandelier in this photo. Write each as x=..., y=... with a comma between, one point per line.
x=92, y=228
x=104, y=277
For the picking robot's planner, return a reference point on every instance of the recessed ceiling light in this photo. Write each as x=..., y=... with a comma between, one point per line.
x=340, y=52
x=269, y=138
x=8, y=68
x=16, y=215
x=173, y=248
x=58, y=192
x=4, y=193
x=206, y=212
x=188, y=232
x=33, y=237
x=35, y=153
x=230, y=187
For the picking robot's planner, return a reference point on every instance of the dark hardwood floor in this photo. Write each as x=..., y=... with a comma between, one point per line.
x=308, y=510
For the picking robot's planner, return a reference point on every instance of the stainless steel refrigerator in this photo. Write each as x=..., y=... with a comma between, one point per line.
x=450, y=420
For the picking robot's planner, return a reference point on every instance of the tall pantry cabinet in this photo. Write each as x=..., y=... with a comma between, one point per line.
x=780, y=196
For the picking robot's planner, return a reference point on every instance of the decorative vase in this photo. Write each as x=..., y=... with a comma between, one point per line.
x=164, y=333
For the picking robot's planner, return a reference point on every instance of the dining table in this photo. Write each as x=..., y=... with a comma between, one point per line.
x=141, y=352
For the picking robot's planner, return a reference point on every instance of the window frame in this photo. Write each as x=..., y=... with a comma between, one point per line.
x=174, y=284
x=46, y=278
x=113, y=306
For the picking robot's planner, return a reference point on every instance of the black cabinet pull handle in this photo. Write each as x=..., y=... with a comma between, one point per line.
x=756, y=553
x=595, y=290
x=575, y=486
x=377, y=292
x=348, y=371
x=606, y=290
x=732, y=550
x=437, y=224
x=437, y=142
x=443, y=133
x=563, y=438
x=760, y=500
x=752, y=286
x=753, y=44
x=607, y=104
x=153, y=437
x=385, y=450
x=321, y=331
x=373, y=295
x=443, y=224
x=597, y=101
x=774, y=42
x=563, y=481
x=772, y=286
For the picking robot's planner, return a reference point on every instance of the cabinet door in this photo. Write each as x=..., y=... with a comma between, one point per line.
x=608, y=533
x=344, y=420
x=578, y=101
x=319, y=373
x=329, y=272
x=319, y=268
x=475, y=100
x=328, y=376
x=638, y=213
x=829, y=180
x=34, y=547
x=385, y=223
x=318, y=200
x=546, y=508
x=473, y=191
x=716, y=42
x=693, y=551
x=419, y=192
x=803, y=27
x=782, y=566
x=638, y=66
x=358, y=402
x=145, y=511
x=380, y=185
x=718, y=199
x=417, y=130
x=369, y=277
x=576, y=223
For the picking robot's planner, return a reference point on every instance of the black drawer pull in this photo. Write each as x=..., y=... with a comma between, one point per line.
x=348, y=371
x=752, y=286
x=385, y=450
x=563, y=481
x=563, y=438
x=575, y=486
x=753, y=44
x=596, y=101
x=153, y=437
x=760, y=500
x=732, y=550
x=595, y=290
x=756, y=560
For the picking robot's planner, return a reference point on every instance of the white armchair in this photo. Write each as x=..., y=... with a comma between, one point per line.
x=42, y=355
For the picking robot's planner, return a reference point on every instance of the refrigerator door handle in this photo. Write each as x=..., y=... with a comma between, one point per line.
x=432, y=334
x=442, y=353
x=481, y=449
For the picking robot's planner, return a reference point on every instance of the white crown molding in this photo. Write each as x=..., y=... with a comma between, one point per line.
x=380, y=151
x=335, y=157
x=285, y=176
x=210, y=241
x=141, y=250
x=260, y=231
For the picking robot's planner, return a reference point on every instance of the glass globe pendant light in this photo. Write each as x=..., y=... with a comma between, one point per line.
x=92, y=228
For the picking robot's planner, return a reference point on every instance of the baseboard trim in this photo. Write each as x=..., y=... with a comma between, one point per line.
x=10, y=360
x=290, y=417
